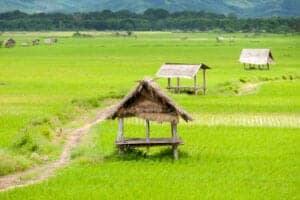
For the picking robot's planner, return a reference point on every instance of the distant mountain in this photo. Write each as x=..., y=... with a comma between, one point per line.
x=243, y=8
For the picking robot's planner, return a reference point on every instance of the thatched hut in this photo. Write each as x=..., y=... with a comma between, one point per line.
x=256, y=57
x=188, y=71
x=35, y=42
x=9, y=43
x=50, y=40
x=24, y=44
x=232, y=39
x=148, y=101
x=220, y=39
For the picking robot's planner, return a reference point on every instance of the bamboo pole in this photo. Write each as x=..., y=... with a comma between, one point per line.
x=195, y=85
x=169, y=83
x=204, y=82
x=120, y=133
x=178, y=85
x=121, y=130
x=148, y=133
x=174, y=138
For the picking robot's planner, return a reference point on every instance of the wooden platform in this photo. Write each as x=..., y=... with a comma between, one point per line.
x=141, y=142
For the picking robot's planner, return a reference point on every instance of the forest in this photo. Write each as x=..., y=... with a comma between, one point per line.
x=149, y=20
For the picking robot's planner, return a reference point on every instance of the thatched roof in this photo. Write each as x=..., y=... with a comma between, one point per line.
x=180, y=70
x=9, y=43
x=257, y=56
x=148, y=101
x=50, y=40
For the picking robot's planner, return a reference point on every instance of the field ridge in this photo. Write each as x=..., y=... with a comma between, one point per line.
x=41, y=173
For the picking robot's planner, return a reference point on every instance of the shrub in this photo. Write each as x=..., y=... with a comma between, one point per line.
x=10, y=163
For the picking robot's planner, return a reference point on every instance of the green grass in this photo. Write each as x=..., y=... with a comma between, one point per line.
x=44, y=87
x=216, y=162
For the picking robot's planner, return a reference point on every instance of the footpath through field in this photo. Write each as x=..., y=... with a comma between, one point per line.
x=41, y=173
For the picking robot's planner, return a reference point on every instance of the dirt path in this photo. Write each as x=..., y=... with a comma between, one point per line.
x=41, y=173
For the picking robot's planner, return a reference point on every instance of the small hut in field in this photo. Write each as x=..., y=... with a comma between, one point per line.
x=220, y=39
x=262, y=58
x=35, y=42
x=24, y=44
x=148, y=101
x=187, y=71
x=9, y=43
x=50, y=40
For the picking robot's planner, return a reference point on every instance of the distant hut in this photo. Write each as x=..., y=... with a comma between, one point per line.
x=232, y=39
x=50, y=40
x=24, y=44
x=220, y=39
x=147, y=101
x=35, y=42
x=9, y=43
x=256, y=57
x=179, y=70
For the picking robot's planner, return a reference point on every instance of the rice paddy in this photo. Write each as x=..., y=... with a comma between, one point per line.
x=243, y=143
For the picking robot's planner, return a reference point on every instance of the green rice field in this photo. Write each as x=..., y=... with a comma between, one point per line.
x=243, y=143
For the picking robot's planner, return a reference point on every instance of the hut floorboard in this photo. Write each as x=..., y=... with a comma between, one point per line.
x=149, y=142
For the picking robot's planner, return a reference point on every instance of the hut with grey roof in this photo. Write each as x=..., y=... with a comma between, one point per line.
x=50, y=40
x=147, y=101
x=9, y=43
x=256, y=57
x=187, y=71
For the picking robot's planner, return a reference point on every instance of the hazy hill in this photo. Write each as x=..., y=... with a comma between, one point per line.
x=248, y=8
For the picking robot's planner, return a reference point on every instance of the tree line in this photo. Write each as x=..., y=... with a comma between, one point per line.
x=150, y=20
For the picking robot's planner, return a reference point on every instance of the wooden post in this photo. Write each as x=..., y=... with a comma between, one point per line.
x=175, y=152
x=178, y=85
x=148, y=133
x=174, y=138
x=121, y=130
x=169, y=83
x=195, y=85
x=120, y=133
x=204, y=83
x=174, y=130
